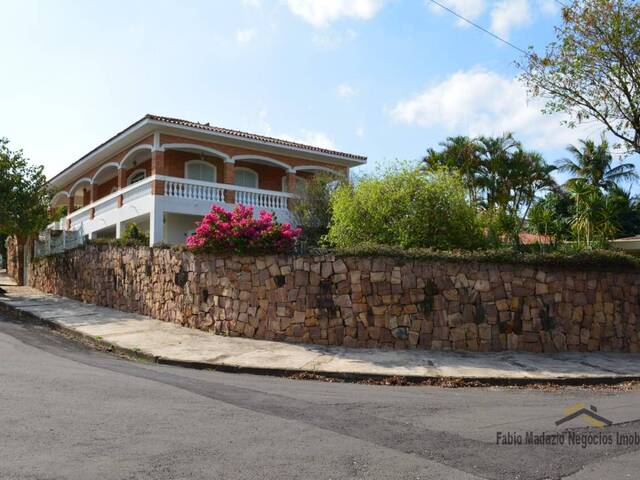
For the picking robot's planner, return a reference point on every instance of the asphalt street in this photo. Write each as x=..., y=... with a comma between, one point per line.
x=69, y=412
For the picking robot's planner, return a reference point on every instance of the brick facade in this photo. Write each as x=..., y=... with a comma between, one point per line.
x=172, y=163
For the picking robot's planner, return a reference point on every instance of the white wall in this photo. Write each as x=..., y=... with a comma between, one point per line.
x=627, y=245
x=178, y=227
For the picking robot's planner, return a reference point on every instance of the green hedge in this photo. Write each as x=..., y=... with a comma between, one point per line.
x=120, y=242
x=602, y=260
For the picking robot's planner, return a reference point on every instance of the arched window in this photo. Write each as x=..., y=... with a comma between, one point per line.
x=301, y=184
x=245, y=177
x=136, y=176
x=200, y=170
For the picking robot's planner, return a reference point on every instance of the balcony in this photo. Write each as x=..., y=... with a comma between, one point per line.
x=167, y=207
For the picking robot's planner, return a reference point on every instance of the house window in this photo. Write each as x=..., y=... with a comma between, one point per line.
x=301, y=183
x=136, y=176
x=245, y=177
x=200, y=170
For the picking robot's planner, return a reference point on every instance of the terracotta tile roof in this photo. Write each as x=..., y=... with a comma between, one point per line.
x=531, y=239
x=223, y=131
x=253, y=136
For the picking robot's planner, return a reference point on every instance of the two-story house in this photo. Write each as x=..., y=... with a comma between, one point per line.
x=164, y=174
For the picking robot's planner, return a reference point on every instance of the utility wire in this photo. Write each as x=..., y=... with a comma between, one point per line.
x=480, y=27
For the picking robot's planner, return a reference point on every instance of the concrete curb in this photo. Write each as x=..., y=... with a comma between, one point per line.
x=139, y=354
x=70, y=332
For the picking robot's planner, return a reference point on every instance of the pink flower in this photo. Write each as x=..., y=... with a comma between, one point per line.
x=238, y=231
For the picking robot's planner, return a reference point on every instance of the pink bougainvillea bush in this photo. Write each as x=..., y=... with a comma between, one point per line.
x=237, y=231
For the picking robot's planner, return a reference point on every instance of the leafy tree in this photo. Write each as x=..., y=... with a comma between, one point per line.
x=405, y=206
x=592, y=69
x=312, y=211
x=24, y=194
x=593, y=163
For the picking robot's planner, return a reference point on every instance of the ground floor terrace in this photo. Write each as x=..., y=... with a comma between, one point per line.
x=165, y=191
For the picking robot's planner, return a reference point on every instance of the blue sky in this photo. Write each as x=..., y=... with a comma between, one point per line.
x=383, y=78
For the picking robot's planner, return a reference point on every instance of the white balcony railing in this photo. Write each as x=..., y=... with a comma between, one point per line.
x=193, y=190
x=108, y=202
x=214, y=192
x=105, y=205
x=137, y=199
x=261, y=198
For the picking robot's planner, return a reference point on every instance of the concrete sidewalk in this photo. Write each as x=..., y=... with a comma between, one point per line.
x=169, y=343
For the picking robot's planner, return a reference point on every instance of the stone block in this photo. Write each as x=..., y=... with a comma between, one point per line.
x=376, y=277
x=482, y=285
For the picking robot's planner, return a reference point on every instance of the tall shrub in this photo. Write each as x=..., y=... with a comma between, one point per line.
x=134, y=236
x=406, y=207
x=312, y=210
x=237, y=231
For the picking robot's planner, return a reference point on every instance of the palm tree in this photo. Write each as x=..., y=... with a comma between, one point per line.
x=606, y=220
x=459, y=153
x=495, y=153
x=529, y=174
x=586, y=198
x=626, y=211
x=501, y=177
x=551, y=215
x=593, y=164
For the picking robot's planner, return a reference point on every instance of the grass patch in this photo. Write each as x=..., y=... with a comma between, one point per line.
x=601, y=260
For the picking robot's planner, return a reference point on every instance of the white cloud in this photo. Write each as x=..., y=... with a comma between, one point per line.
x=310, y=137
x=360, y=132
x=549, y=7
x=321, y=13
x=346, y=91
x=471, y=9
x=245, y=35
x=482, y=102
x=505, y=14
x=509, y=14
x=252, y=3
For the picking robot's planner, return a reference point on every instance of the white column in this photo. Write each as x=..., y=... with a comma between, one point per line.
x=156, y=226
x=118, y=229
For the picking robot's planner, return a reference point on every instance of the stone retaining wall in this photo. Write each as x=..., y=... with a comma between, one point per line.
x=358, y=302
